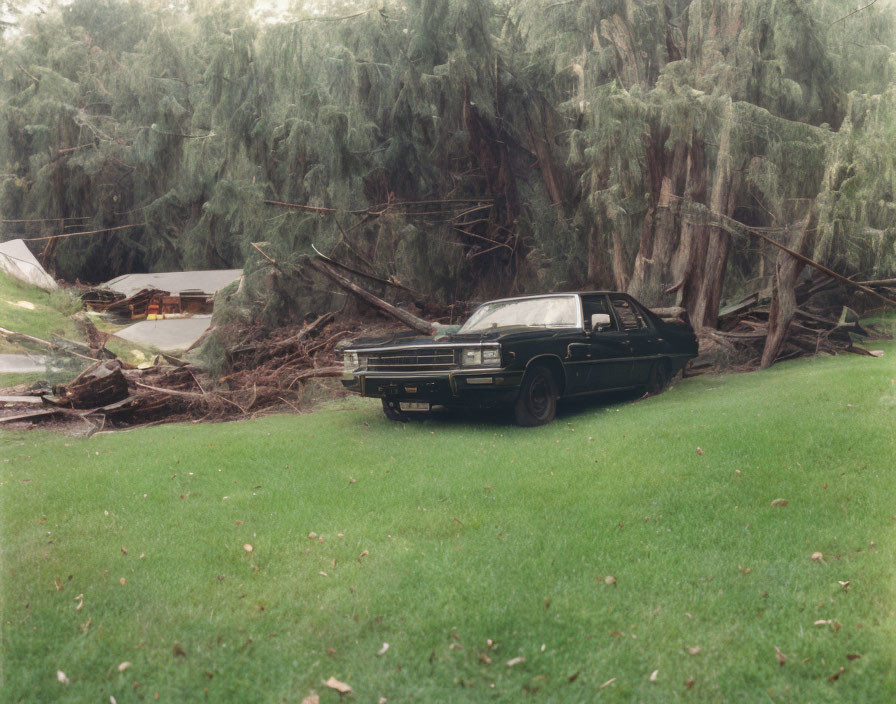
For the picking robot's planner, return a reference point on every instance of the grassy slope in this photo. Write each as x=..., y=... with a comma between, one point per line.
x=50, y=316
x=475, y=531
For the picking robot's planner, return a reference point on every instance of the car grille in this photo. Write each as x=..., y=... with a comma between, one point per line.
x=412, y=360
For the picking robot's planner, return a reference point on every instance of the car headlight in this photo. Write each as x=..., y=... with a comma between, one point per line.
x=485, y=357
x=471, y=357
x=349, y=362
x=491, y=357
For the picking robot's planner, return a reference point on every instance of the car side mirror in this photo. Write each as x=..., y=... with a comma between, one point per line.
x=599, y=320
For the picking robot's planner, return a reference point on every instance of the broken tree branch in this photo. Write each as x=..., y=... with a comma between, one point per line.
x=737, y=228
x=409, y=319
x=14, y=336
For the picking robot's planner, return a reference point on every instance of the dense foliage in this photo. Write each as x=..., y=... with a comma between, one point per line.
x=469, y=148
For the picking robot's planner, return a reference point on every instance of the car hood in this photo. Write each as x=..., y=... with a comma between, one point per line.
x=451, y=335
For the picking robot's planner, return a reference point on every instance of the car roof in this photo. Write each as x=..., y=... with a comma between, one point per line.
x=556, y=293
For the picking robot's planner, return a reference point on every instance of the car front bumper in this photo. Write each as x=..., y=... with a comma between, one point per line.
x=460, y=387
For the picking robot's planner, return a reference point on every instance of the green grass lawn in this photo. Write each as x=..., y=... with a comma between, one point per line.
x=465, y=545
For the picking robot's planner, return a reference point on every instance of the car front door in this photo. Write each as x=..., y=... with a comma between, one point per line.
x=611, y=351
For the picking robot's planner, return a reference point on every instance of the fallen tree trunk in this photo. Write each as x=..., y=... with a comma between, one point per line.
x=412, y=321
x=14, y=336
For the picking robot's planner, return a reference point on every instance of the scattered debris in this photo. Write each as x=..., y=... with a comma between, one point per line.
x=819, y=324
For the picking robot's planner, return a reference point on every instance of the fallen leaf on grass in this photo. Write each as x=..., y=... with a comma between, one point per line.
x=695, y=650
x=60, y=675
x=340, y=687
x=382, y=651
x=124, y=666
x=834, y=624
x=80, y=599
x=178, y=651
x=455, y=646
x=782, y=658
x=364, y=554
x=779, y=502
x=852, y=656
x=311, y=536
x=654, y=675
x=610, y=580
x=607, y=683
x=123, y=550
x=745, y=570
x=845, y=585
x=817, y=557
x=699, y=451
x=573, y=677
x=515, y=661
x=122, y=581
x=689, y=683
x=59, y=585
x=485, y=658
x=311, y=699
x=248, y=548
x=836, y=675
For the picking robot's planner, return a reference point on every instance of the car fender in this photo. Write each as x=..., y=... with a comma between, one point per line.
x=554, y=362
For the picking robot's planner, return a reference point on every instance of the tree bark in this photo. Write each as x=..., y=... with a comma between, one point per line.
x=787, y=272
x=704, y=309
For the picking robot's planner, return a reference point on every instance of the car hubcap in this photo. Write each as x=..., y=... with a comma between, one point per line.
x=539, y=398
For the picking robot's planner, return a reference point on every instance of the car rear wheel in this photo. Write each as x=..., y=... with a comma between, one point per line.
x=393, y=411
x=537, y=402
x=660, y=376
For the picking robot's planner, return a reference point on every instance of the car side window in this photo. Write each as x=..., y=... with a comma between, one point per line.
x=630, y=318
x=596, y=304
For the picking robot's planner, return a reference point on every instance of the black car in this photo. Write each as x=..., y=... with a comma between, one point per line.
x=524, y=353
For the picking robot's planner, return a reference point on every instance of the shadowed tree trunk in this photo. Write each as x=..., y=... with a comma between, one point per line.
x=787, y=272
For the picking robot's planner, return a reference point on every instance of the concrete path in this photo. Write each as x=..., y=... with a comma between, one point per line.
x=22, y=364
x=167, y=335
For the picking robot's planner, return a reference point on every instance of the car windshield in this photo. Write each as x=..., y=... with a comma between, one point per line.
x=550, y=311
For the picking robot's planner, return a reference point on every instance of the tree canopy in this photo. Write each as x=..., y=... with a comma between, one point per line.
x=469, y=148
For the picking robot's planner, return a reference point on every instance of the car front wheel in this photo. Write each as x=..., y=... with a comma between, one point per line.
x=537, y=402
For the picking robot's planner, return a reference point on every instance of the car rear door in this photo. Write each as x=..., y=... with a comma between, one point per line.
x=641, y=334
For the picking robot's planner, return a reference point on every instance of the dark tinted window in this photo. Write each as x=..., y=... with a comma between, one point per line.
x=630, y=318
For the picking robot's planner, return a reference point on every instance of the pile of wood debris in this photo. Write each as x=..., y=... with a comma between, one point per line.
x=819, y=325
x=267, y=372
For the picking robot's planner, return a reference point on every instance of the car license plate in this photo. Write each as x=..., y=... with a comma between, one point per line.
x=413, y=406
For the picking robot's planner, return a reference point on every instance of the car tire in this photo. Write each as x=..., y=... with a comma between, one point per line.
x=393, y=411
x=660, y=376
x=537, y=402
